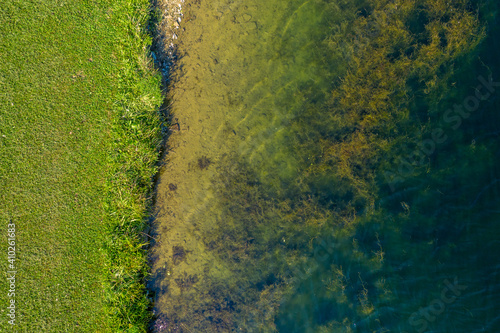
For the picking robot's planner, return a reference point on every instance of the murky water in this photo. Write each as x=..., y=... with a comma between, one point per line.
x=260, y=229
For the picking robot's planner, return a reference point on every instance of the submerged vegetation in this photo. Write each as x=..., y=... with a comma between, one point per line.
x=383, y=194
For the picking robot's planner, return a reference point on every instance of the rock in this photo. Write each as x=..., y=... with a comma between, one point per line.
x=246, y=17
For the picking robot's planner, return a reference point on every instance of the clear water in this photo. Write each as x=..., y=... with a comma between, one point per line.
x=284, y=204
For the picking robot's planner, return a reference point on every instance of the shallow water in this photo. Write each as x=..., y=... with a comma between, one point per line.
x=259, y=231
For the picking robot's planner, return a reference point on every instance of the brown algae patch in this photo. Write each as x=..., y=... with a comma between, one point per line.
x=203, y=162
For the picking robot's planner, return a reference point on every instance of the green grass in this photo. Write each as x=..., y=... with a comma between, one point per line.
x=79, y=139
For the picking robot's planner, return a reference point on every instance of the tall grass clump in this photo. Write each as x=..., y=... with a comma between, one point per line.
x=136, y=140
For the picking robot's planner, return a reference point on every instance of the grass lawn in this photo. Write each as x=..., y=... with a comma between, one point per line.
x=79, y=138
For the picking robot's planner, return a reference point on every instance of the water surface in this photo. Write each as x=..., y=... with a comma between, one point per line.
x=277, y=206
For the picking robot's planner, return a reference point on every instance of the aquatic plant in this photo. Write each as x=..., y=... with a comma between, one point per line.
x=310, y=234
